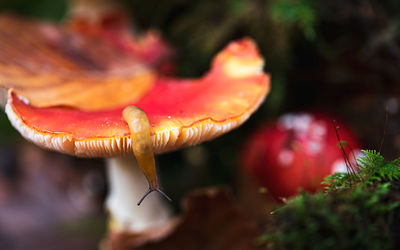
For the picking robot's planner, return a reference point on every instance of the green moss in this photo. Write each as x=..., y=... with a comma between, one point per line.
x=372, y=169
x=360, y=210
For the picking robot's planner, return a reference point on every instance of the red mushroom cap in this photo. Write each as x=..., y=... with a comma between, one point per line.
x=70, y=97
x=297, y=151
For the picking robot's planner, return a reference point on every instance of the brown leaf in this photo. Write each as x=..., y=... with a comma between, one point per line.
x=212, y=220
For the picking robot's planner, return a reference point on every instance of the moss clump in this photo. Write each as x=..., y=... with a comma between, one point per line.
x=359, y=210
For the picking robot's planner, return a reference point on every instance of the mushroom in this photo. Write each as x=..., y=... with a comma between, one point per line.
x=108, y=20
x=51, y=64
x=298, y=151
x=86, y=99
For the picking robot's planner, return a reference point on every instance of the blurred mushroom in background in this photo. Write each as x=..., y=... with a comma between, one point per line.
x=297, y=151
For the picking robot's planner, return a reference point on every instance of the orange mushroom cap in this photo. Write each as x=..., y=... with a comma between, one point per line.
x=55, y=65
x=180, y=112
x=114, y=28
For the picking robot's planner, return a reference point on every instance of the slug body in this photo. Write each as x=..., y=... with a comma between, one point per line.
x=142, y=146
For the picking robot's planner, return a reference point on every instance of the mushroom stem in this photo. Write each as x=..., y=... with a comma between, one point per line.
x=127, y=183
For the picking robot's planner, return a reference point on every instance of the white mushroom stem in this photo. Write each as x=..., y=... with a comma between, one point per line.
x=127, y=186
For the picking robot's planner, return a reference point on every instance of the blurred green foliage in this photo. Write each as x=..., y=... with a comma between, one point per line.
x=359, y=220
x=7, y=133
x=360, y=211
x=47, y=9
x=371, y=169
x=296, y=13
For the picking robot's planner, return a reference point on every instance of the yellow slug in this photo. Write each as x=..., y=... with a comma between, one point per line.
x=142, y=147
